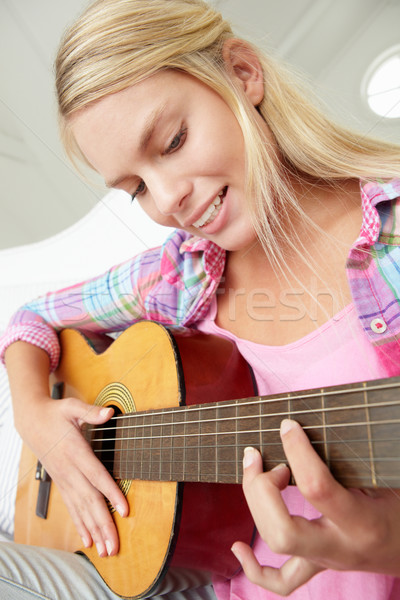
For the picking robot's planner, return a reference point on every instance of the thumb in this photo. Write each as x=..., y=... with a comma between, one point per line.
x=81, y=412
x=96, y=415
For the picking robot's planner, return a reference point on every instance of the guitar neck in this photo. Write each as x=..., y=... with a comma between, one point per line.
x=355, y=429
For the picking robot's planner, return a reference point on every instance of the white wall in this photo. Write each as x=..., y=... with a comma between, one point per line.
x=113, y=231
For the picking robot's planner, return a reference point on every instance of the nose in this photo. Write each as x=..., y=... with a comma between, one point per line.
x=169, y=191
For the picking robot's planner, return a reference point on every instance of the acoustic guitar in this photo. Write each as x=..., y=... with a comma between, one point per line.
x=185, y=408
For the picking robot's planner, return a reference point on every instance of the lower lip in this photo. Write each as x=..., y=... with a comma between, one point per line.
x=219, y=220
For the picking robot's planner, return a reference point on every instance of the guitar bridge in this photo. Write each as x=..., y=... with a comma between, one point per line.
x=42, y=503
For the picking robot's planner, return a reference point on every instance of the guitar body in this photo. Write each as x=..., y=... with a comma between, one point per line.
x=186, y=525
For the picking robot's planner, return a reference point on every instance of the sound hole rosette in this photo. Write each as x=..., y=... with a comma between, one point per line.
x=119, y=397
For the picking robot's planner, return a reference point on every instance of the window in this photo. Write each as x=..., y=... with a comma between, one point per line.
x=381, y=85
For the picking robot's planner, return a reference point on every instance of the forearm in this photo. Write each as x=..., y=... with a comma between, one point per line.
x=28, y=370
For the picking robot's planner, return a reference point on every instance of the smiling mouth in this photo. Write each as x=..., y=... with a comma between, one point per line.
x=212, y=211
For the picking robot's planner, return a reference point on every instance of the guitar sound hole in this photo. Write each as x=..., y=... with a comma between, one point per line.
x=104, y=442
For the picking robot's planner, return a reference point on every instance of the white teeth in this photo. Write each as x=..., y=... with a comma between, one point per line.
x=211, y=212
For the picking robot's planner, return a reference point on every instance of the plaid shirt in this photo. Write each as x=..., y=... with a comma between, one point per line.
x=174, y=285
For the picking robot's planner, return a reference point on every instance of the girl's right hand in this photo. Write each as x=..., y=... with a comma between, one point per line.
x=55, y=438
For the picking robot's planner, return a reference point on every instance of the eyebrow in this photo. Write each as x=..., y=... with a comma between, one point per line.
x=147, y=133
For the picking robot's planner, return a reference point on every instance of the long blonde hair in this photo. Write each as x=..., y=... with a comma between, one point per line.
x=116, y=43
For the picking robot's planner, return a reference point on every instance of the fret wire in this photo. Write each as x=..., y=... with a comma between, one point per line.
x=260, y=425
x=236, y=444
x=141, y=464
x=271, y=399
x=324, y=429
x=172, y=445
x=217, y=462
x=184, y=445
x=198, y=452
x=265, y=416
x=275, y=429
x=370, y=449
x=162, y=446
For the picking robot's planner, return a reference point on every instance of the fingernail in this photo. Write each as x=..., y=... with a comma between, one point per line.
x=105, y=412
x=237, y=554
x=109, y=547
x=100, y=549
x=86, y=542
x=286, y=426
x=249, y=456
x=120, y=510
x=280, y=466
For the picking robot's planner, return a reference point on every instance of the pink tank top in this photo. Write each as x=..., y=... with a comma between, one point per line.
x=336, y=353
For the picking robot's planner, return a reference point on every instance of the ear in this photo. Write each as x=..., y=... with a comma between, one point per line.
x=242, y=63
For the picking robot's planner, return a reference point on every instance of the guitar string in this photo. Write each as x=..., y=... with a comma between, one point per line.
x=257, y=401
x=205, y=447
x=230, y=477
x=141, y=466
x=154, y=469
x=268, y=399
x=244, y=431
x=223, y=446
x=304, y=412
x=135, y=460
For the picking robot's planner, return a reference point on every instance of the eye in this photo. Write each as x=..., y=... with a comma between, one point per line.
x=139, y=190
x=177, y=141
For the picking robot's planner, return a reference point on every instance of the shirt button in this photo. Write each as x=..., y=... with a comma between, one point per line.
x=378, y=326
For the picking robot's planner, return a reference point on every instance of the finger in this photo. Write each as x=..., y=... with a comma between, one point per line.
x=92, y=468
x=314, y=479
x=253, y=467
x=294, y=573
x=91, y=515
x=80, y=526
x=263, y=493
x=101, y=526
x=81, y=412
x=99, y=477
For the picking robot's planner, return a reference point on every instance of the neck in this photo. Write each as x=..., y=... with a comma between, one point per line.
x=354, y=429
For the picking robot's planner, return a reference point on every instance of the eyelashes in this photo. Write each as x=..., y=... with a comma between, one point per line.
x=177, y=141
x=139, y=190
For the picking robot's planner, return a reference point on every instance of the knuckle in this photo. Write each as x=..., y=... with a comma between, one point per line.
x=69, y=403
x=316, y=489
x=283, y=541
x=95, y=532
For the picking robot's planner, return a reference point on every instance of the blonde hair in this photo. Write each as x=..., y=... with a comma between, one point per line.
x=116, y=43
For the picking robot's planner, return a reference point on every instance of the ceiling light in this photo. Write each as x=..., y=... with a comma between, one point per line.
x=381, y=84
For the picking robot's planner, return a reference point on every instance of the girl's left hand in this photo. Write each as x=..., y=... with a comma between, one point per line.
x=359, y=530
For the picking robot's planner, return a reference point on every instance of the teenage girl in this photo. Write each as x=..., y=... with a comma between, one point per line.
x=285, y=242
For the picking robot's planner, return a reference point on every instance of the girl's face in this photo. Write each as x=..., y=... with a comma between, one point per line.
x=176, y=147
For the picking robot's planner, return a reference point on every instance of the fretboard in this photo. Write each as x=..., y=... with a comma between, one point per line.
x=355, y=429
